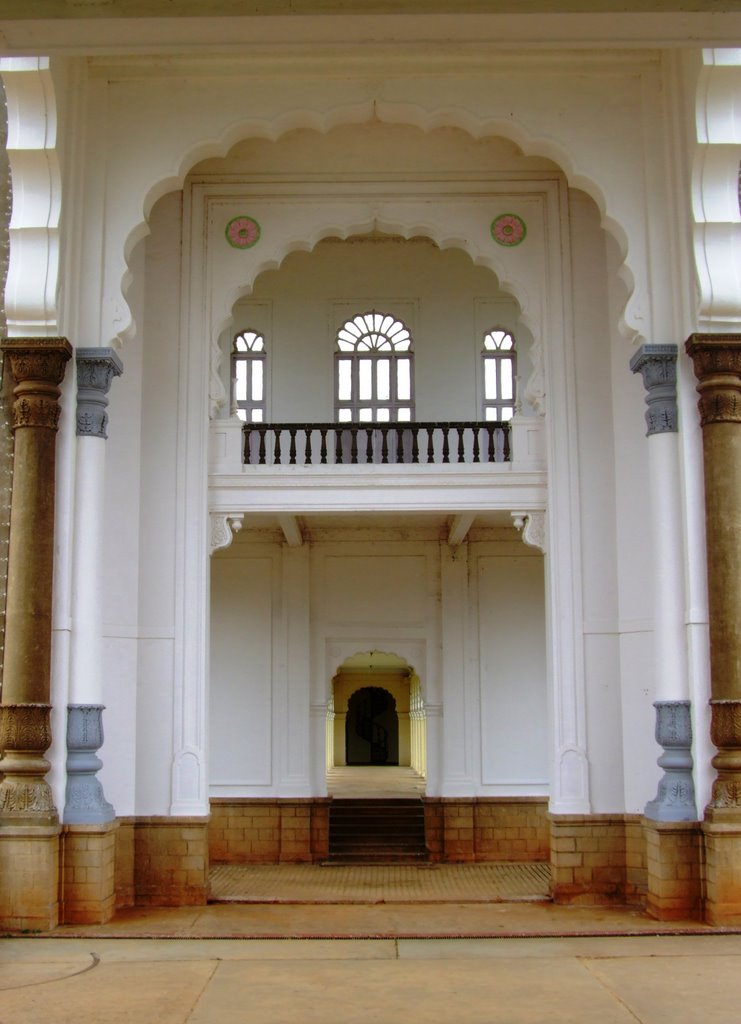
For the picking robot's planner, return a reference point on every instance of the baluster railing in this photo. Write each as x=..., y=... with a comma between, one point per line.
x=376, y=443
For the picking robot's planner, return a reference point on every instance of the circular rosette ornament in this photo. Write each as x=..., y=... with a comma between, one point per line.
x=508, y=229
x=242, y=232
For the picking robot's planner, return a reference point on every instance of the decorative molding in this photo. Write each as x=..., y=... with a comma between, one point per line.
x=675, y=799
x=96, y=368
x=508, y=229
x=717, y=362
x=25, y=736
x=85, y=803
x=243, y=232
x=725, y=732
x=715, y=208
x=37, y=366
x=532, y=525
x=33, y=270
x=223, y=528
x=657, y=364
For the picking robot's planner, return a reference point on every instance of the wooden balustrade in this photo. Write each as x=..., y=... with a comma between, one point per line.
x=355, y=444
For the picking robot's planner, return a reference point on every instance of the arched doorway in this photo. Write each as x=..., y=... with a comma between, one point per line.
x=371, y=728
x=376, y=721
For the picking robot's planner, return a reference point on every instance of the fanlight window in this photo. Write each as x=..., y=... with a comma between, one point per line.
x=248, y=377
x=500, y=364
x=374, y=380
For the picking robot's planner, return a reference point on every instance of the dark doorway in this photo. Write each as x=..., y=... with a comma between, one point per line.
x=372, y=727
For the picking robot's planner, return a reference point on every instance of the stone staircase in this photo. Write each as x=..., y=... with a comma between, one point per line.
x=377, y=831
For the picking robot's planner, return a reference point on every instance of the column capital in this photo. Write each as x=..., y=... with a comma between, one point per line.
x=717, y=363
x=657, y=364
x=96, y=368
x=37, y=366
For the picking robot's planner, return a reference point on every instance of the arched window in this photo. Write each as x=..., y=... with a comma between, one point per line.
x=248, y=377
x=374, y=371
x=500, y=366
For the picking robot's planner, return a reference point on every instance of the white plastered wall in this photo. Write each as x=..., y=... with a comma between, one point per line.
x=142, y=155
x=383, y=591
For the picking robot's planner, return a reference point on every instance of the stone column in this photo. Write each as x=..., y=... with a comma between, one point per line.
x=717, y=362
x=29, y=830
x=85, y=802
x=675, y=799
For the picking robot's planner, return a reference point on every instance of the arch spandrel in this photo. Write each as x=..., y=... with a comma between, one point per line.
x=150, y=163
x=449, y=222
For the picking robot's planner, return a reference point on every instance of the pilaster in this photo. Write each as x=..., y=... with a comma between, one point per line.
x=85, y=803
x=675, y=798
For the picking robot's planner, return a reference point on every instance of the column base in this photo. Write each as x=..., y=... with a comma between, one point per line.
x=674, y=867
x=29, y=877
x=722, y=832
x=88, y=873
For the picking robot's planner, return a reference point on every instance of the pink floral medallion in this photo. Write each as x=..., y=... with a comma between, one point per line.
x=242, y=232
x=508, y=229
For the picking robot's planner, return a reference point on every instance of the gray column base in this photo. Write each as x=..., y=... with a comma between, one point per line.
x=675, y=799
x=85, y=802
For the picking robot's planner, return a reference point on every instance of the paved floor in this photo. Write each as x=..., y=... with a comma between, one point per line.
x=599, y=980
x=372, y=781
x=442, y=962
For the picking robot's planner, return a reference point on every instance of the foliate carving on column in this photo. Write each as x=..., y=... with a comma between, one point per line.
x=223, y=528
x=37, y=366
x=85, y=803
x=657, y=364
x=717, y=363
x=25, y=736
x=532, y=525
x=675, y=799
x=96, y=368
x=725, y=732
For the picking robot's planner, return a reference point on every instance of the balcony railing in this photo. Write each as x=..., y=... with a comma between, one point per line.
x=354, y=444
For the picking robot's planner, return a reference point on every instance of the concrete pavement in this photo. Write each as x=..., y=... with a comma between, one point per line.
x=650, y=979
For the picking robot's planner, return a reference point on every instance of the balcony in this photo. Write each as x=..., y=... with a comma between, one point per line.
x=441, y=467
x=375, y=444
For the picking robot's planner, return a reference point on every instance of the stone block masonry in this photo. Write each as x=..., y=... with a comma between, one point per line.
x=597, y=859
x=269, y=831
x=88, y=873
x=170, y=861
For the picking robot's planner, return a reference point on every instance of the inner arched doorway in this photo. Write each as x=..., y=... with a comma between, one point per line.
x=376, y=718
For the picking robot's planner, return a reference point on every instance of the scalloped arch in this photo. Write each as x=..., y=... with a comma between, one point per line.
x=389, y=113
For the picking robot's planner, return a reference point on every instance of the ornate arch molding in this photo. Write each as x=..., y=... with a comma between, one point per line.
x=510, y=281
x=33, y=270
x=131, y=225
x=715, y=190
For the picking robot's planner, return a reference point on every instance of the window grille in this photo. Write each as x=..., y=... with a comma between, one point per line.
x=248, y=377
x=374, y=370
x=499, y=369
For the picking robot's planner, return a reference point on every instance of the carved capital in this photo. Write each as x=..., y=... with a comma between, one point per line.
x=223, y=528
x=96, y=368
x=25, y=736
x=717, y=362
x=37, y=366
x=532, y=525
x=657, y=364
